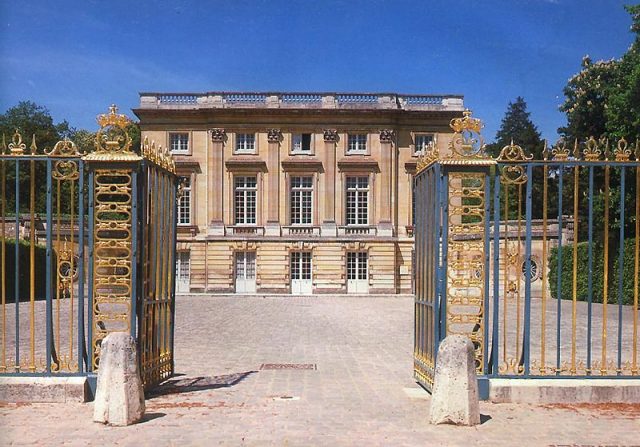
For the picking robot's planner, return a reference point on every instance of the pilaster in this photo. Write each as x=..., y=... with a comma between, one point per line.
x=215, y=174
x=387, y=138
x=328, y=227
x=272, y=228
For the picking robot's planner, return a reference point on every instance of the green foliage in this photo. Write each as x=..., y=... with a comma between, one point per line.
x=517, y=127
x=603, y=99
x=566, y=292
x=24, y=257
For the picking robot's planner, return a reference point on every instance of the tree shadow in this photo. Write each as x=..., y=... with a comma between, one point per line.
x=202, y=383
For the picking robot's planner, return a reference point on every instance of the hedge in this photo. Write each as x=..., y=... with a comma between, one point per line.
x=24, y=270
x=598, y=272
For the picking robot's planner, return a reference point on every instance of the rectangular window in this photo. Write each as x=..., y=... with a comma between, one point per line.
x=357, y=196
x=246, y=189
x=179, y=142
x=301, y=200
x=357, y=265
x=421, y=142
x=246, y=143
x=301, y=142
x=357, y=143
x=184, y=204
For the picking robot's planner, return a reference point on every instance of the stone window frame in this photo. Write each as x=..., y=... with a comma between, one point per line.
x=369, y=197
x=312, y=149
x=290, y=177
x=366, y=151
x=256, y=200
x=188, y=133
x=414, y=152
x=191, y=198
x=235, y=142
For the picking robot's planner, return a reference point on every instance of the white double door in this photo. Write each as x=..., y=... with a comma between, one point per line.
x=357, y=272
x=183, y=272
x=301, y=280
x=245, y=272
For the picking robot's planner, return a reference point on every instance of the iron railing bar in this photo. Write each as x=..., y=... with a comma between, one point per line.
x=526, y=351
x=621, y=265
x=81, y=344
x=559, y=279
x=172, y=304
x=16, y=263
x=485, y=271
x=49, y=279
x=437, y=180
x=496, y=275
x=445, y=250
x=90, y=294
x=590, y=269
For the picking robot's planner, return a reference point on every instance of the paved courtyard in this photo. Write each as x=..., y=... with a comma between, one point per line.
x=353, y=386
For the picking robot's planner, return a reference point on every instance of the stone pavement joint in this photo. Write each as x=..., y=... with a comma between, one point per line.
x=362, y=392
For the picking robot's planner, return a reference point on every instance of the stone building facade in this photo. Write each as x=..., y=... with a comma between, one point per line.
x=301, y=193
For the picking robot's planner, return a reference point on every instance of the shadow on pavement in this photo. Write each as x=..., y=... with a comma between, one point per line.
x=190, y=384
x=151, y=416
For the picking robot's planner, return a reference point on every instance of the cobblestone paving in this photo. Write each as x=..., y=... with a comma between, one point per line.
x=360, y=392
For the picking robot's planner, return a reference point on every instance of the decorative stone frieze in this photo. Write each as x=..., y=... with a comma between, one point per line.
x=217, y=135
x=274, y=135
x=387, y=135
x=330, y=135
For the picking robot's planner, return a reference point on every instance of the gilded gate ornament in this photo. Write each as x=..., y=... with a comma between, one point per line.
x=113, y=142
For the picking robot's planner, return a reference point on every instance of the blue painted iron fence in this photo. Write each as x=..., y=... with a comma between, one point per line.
x=87, y=248
x=496, y=240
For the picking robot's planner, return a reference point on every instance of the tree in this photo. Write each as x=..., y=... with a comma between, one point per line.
x=603, y=99
x=31, y=120
x=517, y=127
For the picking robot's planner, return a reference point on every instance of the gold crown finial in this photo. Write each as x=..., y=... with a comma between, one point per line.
x=466, y=123
x=113, y=118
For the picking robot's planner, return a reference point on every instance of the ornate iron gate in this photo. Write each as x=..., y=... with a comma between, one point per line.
x=536, y=261
x=101, y=261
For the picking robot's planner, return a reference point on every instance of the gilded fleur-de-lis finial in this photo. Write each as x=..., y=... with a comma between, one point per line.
x=592, y=152
x=17, y=147
x=622, y=151
x=576, y=151
x=545, y=151
x=113, y=109
x=560, y=152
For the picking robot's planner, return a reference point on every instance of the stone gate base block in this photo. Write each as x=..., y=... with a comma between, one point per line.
x=455, y=390
x=119, y=395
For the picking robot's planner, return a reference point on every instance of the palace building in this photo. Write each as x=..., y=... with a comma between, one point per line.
x=300, y=193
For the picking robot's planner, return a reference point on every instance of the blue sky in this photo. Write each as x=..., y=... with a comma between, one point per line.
x=78, y=57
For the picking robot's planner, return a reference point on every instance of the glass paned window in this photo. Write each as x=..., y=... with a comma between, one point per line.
x=357, y=265
x=184, y=204
x=422, y=141
x=301, y=200
x=246, y=142
x=357, y=196
x=357, y=143
x=302, y=142
x=246, y=189
x=179, y=142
